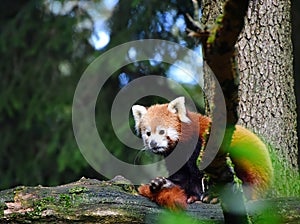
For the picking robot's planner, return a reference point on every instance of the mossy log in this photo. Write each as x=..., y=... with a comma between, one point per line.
x=114, y=201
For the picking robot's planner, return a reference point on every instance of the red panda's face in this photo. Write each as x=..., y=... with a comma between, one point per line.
x=159, y=125
x=158, y=136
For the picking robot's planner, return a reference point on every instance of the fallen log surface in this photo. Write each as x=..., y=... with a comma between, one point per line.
x=116, y=201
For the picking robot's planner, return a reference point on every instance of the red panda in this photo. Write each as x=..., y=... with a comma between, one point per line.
x=160, y=127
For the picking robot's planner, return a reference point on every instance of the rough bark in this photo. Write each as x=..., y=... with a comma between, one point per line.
x=87, y=200
x=113, y=202
x=218, y=43
x=267, y=98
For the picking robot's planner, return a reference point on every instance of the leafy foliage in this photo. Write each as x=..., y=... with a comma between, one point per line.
x=37, y=144
x=44, y=54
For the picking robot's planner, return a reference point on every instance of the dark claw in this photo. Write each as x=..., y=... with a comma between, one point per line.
x=208, y=199
x=192, y=199
x=159, y=183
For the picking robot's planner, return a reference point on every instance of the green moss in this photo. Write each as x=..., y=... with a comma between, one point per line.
x=215, y=29
x=130, y=189
x=78, y=190
x=40, y=206
x=286, y=178
x=211, y=37
x=219, y=19
x=19, y=188
x=65, y=200
x=236, y=180
x=62, y=204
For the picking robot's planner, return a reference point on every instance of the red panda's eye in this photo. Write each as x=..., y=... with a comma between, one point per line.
x=161, y=132
x=148, y=133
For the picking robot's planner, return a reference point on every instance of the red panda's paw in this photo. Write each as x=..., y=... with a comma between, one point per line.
x=210, y=199
x=173, y=197
x=144, y=190
x=152, y=189
x=207, y=199
x=192, y=198
x=160, y=183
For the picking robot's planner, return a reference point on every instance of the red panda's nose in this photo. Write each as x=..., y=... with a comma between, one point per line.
x=153, y=143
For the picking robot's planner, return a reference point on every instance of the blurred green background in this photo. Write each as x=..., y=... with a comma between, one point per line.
x=45, y=47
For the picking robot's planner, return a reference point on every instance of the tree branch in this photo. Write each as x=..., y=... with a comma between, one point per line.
x=218, y=45
x=116, y=201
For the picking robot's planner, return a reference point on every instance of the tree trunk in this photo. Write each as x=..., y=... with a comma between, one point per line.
x=267, y=99
x=116, y=201
x=219, y=53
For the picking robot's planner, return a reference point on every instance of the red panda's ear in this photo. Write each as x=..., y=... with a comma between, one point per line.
x=138, y=112
x=177, y=106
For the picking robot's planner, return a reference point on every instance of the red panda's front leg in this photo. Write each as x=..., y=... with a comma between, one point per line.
x=165, y=193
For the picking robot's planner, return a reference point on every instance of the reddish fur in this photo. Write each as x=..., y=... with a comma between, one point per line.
x=173, y=198
x=162, y=117
x=199, y=124
x=166, y=118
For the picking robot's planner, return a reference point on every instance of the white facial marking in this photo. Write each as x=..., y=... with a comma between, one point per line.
x=173, y=134
x=146, y=133
x=155, y=140
x=160, y=131
x=138, y=112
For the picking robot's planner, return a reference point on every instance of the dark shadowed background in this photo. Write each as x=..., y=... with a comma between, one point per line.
x=46, y=46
